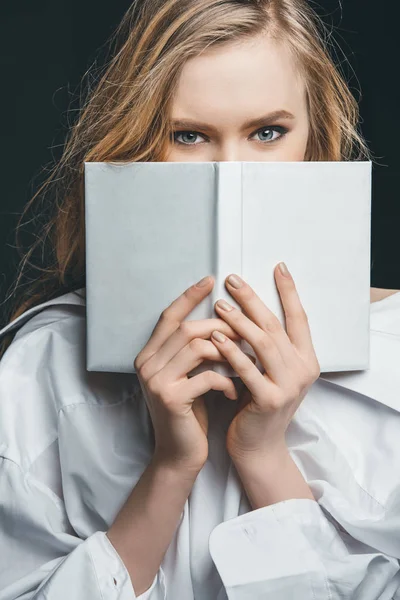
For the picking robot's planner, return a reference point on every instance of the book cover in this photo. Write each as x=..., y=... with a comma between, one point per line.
x=153, y=229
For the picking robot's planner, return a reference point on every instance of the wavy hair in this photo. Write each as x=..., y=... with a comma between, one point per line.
x=124, y=116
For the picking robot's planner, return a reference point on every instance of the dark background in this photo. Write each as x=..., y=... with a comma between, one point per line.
x=47, y=46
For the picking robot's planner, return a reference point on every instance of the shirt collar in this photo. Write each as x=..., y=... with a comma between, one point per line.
x=77, y=298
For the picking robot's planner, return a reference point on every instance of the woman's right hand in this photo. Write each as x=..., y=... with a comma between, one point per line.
x=174, y=400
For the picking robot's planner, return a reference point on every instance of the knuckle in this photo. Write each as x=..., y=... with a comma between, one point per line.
x=154, y=385
x=315, y=370
x=247, y=369
x=208, y=378
x=212, y=378
x=298, y=314
x=309, y=375
x=295, y=391
x=276, y=401
x=305, y=382
x=263, y=342
x=145, y=371
x=185, y=330
x=165, y=315
x=302, y=315
x=273, y=325
x=137, y=363
x=168, y=399
x=143, y=364
x=196, y=345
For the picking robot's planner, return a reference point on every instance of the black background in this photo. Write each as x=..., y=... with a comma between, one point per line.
x=47, y=46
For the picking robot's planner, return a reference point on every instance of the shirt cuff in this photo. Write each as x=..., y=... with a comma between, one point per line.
x=112, y=574
x=265, y=551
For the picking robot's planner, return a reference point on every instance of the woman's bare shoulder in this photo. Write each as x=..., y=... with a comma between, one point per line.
x=381, y=293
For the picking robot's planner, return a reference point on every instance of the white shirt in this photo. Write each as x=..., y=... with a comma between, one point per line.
x=74, y=443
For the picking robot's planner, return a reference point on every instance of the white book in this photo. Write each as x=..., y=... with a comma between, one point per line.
x=155, y=228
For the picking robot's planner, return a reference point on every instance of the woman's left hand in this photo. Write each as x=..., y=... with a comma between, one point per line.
x=288, y=357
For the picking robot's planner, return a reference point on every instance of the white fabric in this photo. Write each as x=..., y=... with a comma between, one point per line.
x=74, y=443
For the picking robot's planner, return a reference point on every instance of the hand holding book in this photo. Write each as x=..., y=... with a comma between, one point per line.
x=174, y=400
x=271, y=397
x=289, y=362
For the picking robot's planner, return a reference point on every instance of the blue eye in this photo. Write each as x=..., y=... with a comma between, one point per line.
x=274, y=128
x=193, y=134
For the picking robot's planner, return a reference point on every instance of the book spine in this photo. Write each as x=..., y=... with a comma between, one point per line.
x=228, y=238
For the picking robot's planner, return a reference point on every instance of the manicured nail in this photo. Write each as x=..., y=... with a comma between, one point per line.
x=283, y=269
x=224, y=305
x=235, y=281
x=217, y=335
x=203, y=282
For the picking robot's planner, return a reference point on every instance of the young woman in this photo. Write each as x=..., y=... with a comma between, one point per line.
x=162, y=486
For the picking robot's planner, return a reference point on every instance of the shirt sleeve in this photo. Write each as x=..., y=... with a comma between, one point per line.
x=41, y=559
x=293, y=550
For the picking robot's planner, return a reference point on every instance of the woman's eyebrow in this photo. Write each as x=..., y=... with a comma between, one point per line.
x=277, y=114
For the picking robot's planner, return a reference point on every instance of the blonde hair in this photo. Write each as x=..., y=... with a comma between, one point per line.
x=125, y=115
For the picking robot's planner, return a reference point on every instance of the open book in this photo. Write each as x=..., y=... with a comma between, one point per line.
x=155, y=228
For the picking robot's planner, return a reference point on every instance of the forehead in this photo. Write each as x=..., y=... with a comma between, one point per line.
x=239, y=78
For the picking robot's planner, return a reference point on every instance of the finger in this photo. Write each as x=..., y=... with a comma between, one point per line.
x=187, y=331
x=260, y=314
x=262, y=342
x=188, y=358
x=172, y=316
x=209, y=380
x=257, y=384
x=297, y=326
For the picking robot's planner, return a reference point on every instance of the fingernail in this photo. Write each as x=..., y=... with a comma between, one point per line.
x=283, y=269
x=203, y=281
x=218, y=336
x=235, y=281
x=224, y=305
